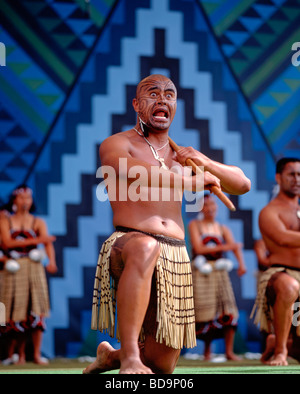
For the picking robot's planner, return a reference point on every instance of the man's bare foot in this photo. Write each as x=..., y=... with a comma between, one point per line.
x=134, y=366
x=269, y=357
x=104, y=361
x=278, y=360
x=269, y=350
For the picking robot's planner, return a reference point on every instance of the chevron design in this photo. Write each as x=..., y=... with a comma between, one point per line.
x=256, y=39
x=46, y=48
x=105, y=50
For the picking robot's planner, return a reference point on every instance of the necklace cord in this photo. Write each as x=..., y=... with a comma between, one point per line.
x=154, y=150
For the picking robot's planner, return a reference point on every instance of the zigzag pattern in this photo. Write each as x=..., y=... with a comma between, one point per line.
x=256, y=38
x=47, y=45
x=126, y=75
x=213, y=115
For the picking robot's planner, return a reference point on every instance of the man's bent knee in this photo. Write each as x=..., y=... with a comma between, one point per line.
x=139, y=250
x=162, y=364
x=142, y=252
x=159, y=357
x=284, y=286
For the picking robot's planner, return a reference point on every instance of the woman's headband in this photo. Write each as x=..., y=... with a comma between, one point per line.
x=21, y=190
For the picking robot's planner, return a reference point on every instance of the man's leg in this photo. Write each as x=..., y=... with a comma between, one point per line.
x=107, y=359
x=157, y=357
x=133, y=260
x=160, y=358
x=293, y=345
x=283, y=290
x=139, y=254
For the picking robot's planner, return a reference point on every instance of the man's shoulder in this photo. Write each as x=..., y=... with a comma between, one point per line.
x=116, y=145
x=122, y=136
x=273, y=206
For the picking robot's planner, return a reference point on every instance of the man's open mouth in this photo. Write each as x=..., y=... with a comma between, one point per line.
x=160, y=114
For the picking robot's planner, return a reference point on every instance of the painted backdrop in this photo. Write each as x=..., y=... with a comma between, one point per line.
x=66, y=83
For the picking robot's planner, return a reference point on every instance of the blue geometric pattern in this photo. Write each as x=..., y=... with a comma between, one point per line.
x=58, y=155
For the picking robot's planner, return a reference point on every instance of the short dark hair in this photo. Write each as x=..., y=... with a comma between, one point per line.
x=281, y=163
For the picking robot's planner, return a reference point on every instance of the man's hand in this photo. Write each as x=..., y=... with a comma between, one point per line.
x=189, y=152
x=210, y=181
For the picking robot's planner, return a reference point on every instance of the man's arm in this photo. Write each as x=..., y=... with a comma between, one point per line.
x=117, y=146
x=272, y=227
x=261, y=252
x=232, y=178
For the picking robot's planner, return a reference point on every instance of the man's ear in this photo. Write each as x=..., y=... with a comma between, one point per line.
x=135, y=105
x=278, y=178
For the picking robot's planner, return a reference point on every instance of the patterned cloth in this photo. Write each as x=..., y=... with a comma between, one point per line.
x=25, y=292
x=175, y=307
x=214, y=300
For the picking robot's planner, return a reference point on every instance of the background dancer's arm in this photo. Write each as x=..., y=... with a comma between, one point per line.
x=275, y=231
x=49, y=248
x=9, y=243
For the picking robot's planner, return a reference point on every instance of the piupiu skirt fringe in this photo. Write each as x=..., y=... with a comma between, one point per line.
x=175, y=305
x=262, y=311
x=24, y=288
x=213, y=295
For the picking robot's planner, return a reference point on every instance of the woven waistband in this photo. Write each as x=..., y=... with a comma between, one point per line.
x=159, y=237
x=285, y=267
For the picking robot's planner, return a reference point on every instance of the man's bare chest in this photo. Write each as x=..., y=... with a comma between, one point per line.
x=291, y=219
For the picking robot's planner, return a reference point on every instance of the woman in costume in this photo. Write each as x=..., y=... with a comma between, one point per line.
x=24, y=290
x=216, y=313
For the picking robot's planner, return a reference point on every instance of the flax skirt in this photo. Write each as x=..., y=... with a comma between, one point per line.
x=262, y=311
x=213, y=295
x=28, y=286
x=175, y=306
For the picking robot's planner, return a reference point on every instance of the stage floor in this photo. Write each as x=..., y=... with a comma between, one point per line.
x=186, y=367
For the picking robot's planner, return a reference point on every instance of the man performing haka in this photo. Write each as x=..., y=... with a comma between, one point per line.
x=279, y=286
x=144, y=268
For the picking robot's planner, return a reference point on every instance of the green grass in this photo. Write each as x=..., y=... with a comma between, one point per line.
x=239, y=370
x=185, y=367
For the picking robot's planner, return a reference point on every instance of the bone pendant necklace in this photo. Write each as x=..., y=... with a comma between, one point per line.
x=154, y=151
x=160, y=159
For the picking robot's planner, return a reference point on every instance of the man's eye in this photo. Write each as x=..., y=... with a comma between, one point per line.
x=153, y=94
